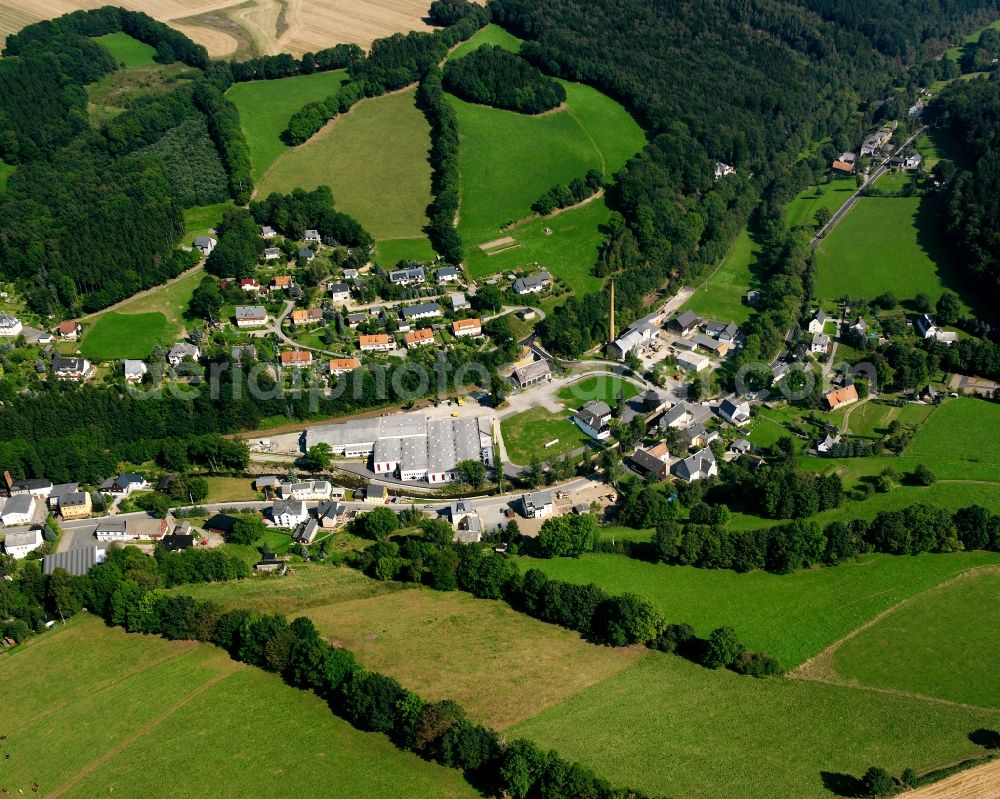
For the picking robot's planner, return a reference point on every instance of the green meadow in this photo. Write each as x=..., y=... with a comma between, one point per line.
x=525, y=435
x=117, y=335
x=201, y=220
x=491, y=34
x=830, y=195
x=375, y=160
x=722, y=295
x=126, y=50
x=597, y=387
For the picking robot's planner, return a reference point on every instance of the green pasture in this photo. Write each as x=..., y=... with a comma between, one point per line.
x=830, y=195
x=201, y=220
x=667, y=725
x=117, y=335
x=390, y=252
x=126, y=50
x=491, y=34
x=790, y=616
x=265, y=107
x=596, y=387
x=375, y=160
x=945, y=643
x=722, y=295
x=525, y=434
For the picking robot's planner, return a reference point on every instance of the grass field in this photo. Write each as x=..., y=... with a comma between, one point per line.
x=374, y=159
x=112, y=94
x=790, y=616
x=937, y=144
x=117, y=713
x=526, y=434
x=202, y=219
x=886, y=244
x=118, y=335
x=831, y=195
x=874, y=418
x=501, y=665
x=569, y=252
x=265, y=107
x=961, y=431
x=508, y=160
x=596, y=387
x=391, y=251
x=667, y=724
x=229, y=489
x=723, y=294
x=170, y=300
x=491, y=34
x=944, y=644
x=126, y=50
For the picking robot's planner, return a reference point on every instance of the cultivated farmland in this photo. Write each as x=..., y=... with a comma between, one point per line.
x=117, y=335
x=127, y=709
x=375, y=160
x=943, y=644
x=669, y=725
x=265, y=107
x=790, y=616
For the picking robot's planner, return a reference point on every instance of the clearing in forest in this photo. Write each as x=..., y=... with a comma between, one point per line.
x=117, y=335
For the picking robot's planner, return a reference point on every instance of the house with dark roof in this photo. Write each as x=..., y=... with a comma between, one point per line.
x=221, y=524
x=684, y=323
x=652, y=460
x=177, y=543
x=205, y=245
x=699, y=466
x=404, y=277
x=424, y=310
x=77, y=561
x=536, y=505
x=594, y=419
x=289, y=513
x=340, y=292
x=71, y=368
x=124, y=484
x=448, y=274
x=817, y=322
x=532, y=284
x=735, y=412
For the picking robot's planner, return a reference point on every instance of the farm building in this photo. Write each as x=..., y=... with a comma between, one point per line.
x=692, y=362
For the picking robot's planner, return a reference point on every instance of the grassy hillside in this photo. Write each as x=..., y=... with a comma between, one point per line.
x=117, y=336
x=942, y=644
x=669, y=725
x=117, y=714
x=128, y=51
x=830, y=195
x=722, y=296
x=265, y=107
x=791, y=616
x=375, y=160
x=491, y=34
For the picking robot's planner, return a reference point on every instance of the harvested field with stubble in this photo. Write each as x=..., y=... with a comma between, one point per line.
x=253, y=26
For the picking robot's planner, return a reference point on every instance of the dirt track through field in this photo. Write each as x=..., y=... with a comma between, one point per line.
x=981, y=782
x=226, y=669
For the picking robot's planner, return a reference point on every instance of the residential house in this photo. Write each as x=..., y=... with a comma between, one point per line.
x=817, y=322
x=684, y=323
x=69, y=330
x=532, y=284
x=419, y=338
x=340, y=366
x=537, y=505
x=928, y=328
x=841, y=397
x=312, y=236
x=351, y=274
x=18, y=545
x=272, y=253
x=916, y=110
x=376, y=494
x=176, y=542
x=594, y=419
x=859, y=327
x=114, y=530
x=533, y=373
x=876, y=141
x=250, y=284
x=340, y=292
x=18, y=509
x=459, y=302
x=134, y=370
x=289, y=513
x=330, y=514
x=734, y=412
x=729, y=333
x=928, y=395
x=251, y=316
x=76, y=561
x=267, y=485
x=447, y=274
x=305, y=254
x=652, y=460
x=124, y=484
x=77, y=505
x=205, y=245
x=307, y=316
x=466, y=327
x=721, y=170
x=692, y=362
x=181, y=351
x=39, y=488
x=424, y=310
x=60, y=491
x=697, y=435
x=297, y=358
x=678, y=417
x=639, y=334
x=268, y=232
x=380, y=342
x=355, y=319
x=404, y=277
x=305, y=532
x=10, y=326
x=842, y=166
x=244, y=353
x=741, y=447
x=45, y=338
x=306, y=490
x=465, y=519
x=220, y=524
x=699, y=466
x=820, y=344
x=282, y=282
x=913, y=161
x=712, y=328
x=827, y=443
x=71, y=368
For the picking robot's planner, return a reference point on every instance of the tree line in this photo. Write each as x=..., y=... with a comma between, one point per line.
x=285, y=65
x=563, y=196
x=491, y=75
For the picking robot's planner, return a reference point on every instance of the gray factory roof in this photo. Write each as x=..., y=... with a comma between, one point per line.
x=76, y=561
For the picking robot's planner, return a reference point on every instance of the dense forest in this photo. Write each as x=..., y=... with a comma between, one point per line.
x=92, y=216
x=970, y=110
x=747, y=84
x=493, y=76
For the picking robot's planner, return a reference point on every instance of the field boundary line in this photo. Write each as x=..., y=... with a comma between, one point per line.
x=809, y=670
x=227, y=670
x=591, y=139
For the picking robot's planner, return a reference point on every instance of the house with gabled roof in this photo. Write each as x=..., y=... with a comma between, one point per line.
x=699, y=466
x=594, y=419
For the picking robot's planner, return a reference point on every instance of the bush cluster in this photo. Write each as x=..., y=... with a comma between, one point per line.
x=493, y=76
x=560, y=196
x=224, y=127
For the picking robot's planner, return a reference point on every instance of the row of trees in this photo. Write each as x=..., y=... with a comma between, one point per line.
x=285, y=65
x=491, y=75
x=445, y=187
x=227, y=133
x=560, y=196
